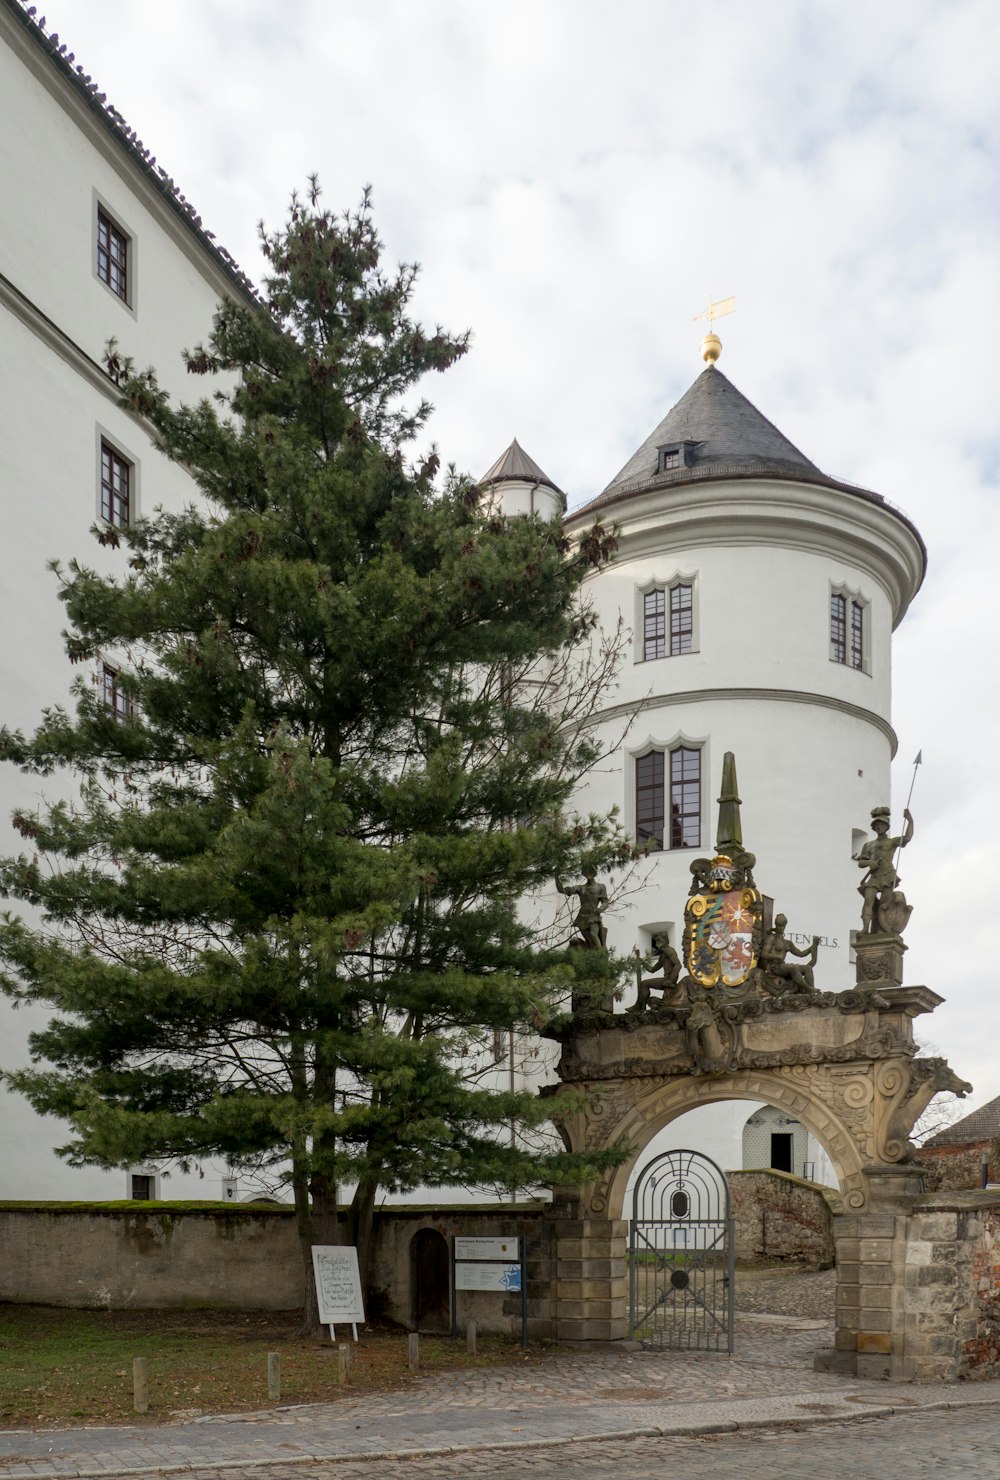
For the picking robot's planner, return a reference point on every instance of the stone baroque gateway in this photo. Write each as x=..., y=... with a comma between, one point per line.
x=843, y=1063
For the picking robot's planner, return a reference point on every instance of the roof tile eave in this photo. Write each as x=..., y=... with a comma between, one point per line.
x=130, y=142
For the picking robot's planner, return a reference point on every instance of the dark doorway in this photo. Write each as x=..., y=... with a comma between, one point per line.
x=430, y=1281
x=781, y=1151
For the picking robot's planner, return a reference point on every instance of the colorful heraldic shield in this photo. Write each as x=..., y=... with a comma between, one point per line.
x=721, y=933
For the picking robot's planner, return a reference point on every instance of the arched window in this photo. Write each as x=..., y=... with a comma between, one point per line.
x=849, y=635
x=668, y=621
x=668, y=786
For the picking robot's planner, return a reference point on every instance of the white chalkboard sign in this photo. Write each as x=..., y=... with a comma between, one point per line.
x=338, y=1284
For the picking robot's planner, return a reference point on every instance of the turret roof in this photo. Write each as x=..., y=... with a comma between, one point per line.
x=516, y=464
x=727, y=428
x=721, y=434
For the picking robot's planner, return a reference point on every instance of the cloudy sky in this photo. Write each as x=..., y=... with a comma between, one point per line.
x=576, y=180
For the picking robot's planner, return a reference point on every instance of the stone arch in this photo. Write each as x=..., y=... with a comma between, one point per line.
x=788, y=1089
x=430, y=1281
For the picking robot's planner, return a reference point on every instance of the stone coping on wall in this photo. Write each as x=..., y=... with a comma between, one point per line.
x=830, y=1193
x=975, y=1200
x=211, y=1207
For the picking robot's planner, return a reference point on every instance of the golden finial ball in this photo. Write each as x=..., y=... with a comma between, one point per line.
x=711, y=348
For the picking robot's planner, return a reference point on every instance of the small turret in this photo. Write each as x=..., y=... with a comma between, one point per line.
x=516, y=485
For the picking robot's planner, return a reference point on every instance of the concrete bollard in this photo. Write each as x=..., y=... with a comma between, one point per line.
x=343, y=1364
x=413, y=1351
x=470, y=1338
x=140, y=1384
x=273, y=1375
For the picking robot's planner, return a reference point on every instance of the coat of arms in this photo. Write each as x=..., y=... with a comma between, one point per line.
x=722, y=923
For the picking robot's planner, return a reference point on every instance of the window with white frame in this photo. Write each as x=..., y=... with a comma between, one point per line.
x=849, y=629
x=668, y=798
x=667, y=620
x=114, y=696
x=116, y=486
x=112, y=255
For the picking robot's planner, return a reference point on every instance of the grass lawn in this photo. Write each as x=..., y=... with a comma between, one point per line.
x=66, y=1367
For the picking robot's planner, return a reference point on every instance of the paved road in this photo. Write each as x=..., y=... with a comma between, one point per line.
x=958, y=1444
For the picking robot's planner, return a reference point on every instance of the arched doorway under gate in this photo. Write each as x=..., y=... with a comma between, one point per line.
x=843, y=1064
x=681, y=1255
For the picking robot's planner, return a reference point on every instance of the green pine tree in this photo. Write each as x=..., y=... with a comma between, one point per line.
x=282, y=920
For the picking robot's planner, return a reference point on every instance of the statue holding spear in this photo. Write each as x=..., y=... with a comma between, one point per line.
x=884, y=907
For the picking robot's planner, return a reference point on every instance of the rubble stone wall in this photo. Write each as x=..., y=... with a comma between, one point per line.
x=778, y=1216
x=952, y=1283
x=958, y=1168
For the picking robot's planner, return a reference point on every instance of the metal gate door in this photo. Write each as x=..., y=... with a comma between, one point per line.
x=681, y=1255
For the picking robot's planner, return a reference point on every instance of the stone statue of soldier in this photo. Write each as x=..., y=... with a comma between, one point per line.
x=593, y=899
x=878, y=858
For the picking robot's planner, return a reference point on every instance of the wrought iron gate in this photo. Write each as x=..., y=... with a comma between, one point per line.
x=681, y=1255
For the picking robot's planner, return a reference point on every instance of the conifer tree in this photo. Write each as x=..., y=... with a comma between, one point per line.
x=282, y=915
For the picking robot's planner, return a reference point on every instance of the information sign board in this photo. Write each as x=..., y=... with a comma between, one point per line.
x=493, y=1276
x=486, y=1248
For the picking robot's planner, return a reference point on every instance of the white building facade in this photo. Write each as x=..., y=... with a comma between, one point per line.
x=97, y=245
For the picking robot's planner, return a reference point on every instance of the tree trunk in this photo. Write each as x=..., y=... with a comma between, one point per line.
x=360, y=1222
x=304, y=1226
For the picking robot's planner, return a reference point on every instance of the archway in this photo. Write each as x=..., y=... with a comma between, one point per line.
x=430, y=1288
x=844, y=1065
x=806, y=1096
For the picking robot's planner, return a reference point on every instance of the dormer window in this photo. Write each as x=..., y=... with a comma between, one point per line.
x=674, y=455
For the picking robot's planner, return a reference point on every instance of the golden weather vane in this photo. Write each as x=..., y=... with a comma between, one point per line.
x=711, y=345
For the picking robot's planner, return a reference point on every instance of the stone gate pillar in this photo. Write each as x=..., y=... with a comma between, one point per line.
x=871, y=1331
x=589, y=1282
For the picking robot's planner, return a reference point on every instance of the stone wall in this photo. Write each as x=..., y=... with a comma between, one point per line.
x=166, y=1257
x=778, y=1216
x=952, y=1282
x=958, y=1168
x=149, y=1257
x=394, y=1275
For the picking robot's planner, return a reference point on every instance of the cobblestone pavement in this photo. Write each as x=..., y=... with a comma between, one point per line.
x=785, y=1292
x=951, y=1445
x=613, y=1407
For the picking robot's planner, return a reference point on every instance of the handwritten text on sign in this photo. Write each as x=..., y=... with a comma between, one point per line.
x=338, y=1284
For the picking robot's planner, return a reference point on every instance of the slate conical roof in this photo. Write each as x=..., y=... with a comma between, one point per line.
x=516, y=464
x=722, y=435
x=727, y=428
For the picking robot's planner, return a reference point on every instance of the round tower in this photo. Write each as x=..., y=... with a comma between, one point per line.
x=761, y=596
